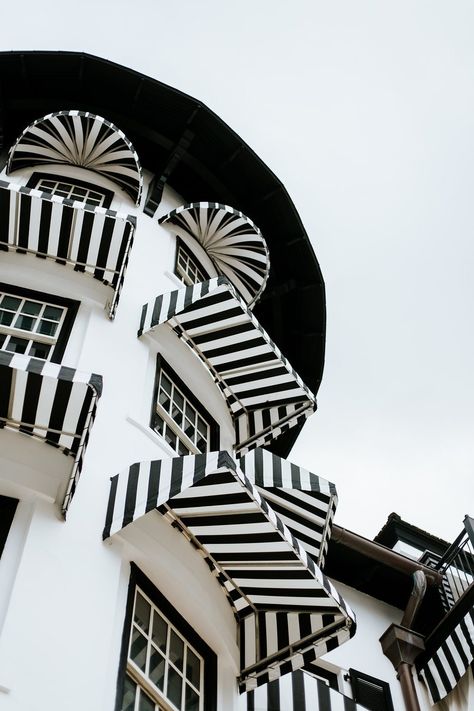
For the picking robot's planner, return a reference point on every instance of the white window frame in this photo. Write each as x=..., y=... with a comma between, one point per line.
x=191, y=272
x=188, y=402
x=144, y=683
x=31, y=336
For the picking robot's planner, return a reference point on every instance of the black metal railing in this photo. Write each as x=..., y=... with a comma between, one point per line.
x=457, y=565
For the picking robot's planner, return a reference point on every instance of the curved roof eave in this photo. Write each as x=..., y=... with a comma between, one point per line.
x=185, y=144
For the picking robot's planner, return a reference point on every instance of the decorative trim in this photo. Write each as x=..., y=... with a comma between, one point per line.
x=83, y=139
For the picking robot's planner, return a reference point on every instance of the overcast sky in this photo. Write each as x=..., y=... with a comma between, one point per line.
x=365, y=111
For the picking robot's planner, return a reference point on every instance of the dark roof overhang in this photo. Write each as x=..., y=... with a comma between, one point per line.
x=184, y=143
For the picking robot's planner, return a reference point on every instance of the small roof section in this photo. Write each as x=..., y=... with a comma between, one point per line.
x=264, y=394
x=288, y=613
x=49, y=402
x=231, y=240
x=83, y=139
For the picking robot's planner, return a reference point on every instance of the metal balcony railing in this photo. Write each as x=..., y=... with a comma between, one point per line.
x=457, y=565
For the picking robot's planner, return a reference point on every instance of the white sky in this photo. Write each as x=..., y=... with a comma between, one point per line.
x=365, y=111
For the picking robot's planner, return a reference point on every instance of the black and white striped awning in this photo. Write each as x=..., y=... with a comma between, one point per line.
x=288, y=613
x=264, y=394
x=449, y=649
x=93, y=240
x=305, y=502
x=83, y=139
x=297, y=692
x=50, y=402
x=231, y=240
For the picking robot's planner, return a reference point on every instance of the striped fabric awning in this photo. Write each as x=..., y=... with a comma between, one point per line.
x=288, y=613
x=264, y=394
x=83, y=139
x=96, y=241
x=231, y=240
x=449, y=649
x=297, y=692
x=305, y=502
x=50, y=402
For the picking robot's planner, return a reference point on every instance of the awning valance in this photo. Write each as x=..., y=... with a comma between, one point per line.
x=297, y=692
x=231, y=240
x=50, y=402
x=288, y=613
x=264, y=394
x=449, y=650
x=96, y=241
x=83, y=139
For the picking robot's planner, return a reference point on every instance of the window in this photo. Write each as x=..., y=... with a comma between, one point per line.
x=165, y=665
x=34, y=324
x=372, y=693
x=71, y=188
x=187, y=267
x=179, y=417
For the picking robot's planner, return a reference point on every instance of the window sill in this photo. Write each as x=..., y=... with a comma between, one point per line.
x=151, y=434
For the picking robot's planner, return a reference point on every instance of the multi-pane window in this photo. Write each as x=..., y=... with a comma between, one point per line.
x=71, y=188
x=177, y=417
x=187, y=267
x=29, y=326
x=161, y=664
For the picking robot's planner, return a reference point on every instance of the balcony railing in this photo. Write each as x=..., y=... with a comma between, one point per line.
x=457, y=565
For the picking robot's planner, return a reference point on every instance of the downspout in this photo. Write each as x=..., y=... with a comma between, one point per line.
x=401, y=645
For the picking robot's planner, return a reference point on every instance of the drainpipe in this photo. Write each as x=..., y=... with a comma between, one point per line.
x=401, y=645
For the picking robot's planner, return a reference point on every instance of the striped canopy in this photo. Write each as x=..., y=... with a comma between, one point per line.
x=264, y=394
x=232, y=241
x=93, y=240
x=288, y=613
x=83, y=139
x=449, y=649
x=298, y=691
x=49, y=402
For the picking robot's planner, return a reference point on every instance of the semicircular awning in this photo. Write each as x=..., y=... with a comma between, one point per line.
x=288, y=613
x=231, y=240
x=52, y=403
x=264, y=394
x=83, y=139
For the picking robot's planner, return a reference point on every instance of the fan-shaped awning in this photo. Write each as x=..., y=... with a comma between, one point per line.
x=288, y=612
x=264, y=394
x=50, y=402
x=83, y=139
x=92, y=240
x=232, y=241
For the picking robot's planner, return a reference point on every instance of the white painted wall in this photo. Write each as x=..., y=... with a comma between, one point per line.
x=63, y=591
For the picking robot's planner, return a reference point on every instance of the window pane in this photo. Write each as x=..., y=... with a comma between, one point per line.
x=39, y=350
x=164, y=400
x=142, y=612
x=6, y=317
x=175, y=687
x=53, y=313
x=138, y=649
x=31, y=307
x=160, y=632
x=129, y=691
x=193, y=668
x=26, y=323
x=192, y=699
x=157, y=669
x=145, y=704
x=176, y=650
x=179, y=399
x=177, y=415
x=11, y=303
x=159, y=424
x=2, y=339
x=17, y=345
x=182, y=449
x=165, y=383
x=170, y=437
x=47, y=328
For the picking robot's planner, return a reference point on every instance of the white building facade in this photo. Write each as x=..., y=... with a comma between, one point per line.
x=161, y=342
